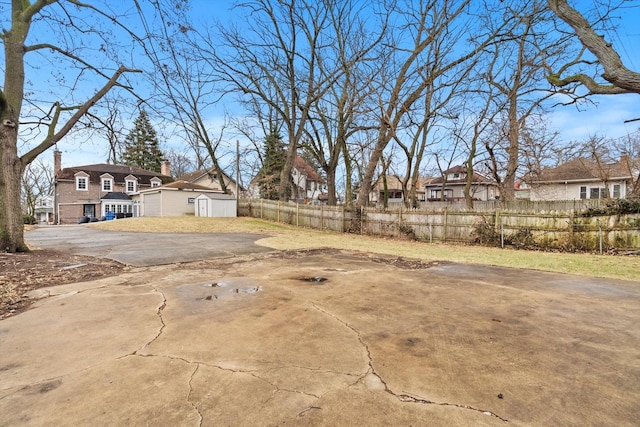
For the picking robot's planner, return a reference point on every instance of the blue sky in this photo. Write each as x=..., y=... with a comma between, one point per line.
x=605, y=116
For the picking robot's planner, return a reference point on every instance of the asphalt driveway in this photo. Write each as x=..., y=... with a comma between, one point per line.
x=142, y=249
x=321, y=337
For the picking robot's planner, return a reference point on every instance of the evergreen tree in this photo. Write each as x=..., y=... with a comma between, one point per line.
x=141, y=147
x=274, y=158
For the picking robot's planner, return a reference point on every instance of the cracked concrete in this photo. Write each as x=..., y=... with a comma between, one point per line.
x=374, y=344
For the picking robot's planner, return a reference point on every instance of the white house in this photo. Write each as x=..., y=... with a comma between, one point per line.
x=582, y=179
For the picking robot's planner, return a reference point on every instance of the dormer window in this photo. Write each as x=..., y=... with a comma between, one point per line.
x=156, y=182
x=130, y=184
x=106, y=182
x=82, y=181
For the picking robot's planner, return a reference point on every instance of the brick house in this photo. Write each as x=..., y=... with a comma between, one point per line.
x=95, y=190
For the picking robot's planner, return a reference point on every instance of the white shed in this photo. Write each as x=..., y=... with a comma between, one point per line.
x=216, y=205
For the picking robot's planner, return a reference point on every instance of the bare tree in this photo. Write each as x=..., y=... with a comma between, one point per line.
x=187, y=90
x=518, y=77
x=273, y=60
x=425, y=25
x=336, y=117
x=37, y=182
x=621, y=79
x=628, y=148
x=74, y=36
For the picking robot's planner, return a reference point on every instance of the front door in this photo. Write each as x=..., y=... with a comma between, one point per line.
x=89, y=210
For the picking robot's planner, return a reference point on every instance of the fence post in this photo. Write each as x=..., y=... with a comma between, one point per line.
x=444, y=226
x=278, y=211
x=321, y=217
x=343, y=229
x=261, y=208
x=297, y=214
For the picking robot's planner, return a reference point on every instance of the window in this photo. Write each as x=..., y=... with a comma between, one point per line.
x=616, y=191
x=107, y=184
x=597, y=193
x=583, y=192
x=81, y=183
x=155, y=184
x=131, y=186
x=191, y=200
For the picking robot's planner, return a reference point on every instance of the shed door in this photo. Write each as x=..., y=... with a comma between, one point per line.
x=202, y=207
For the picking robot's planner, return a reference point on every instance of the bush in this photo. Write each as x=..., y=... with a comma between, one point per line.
x=615, y=207
x=485, y=233
x=28, y=219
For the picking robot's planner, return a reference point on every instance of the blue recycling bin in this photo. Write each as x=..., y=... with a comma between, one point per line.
x=110, y=215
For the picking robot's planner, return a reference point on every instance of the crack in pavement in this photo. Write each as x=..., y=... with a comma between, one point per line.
x=162, y=323
x=195, y=406
x=403, y=397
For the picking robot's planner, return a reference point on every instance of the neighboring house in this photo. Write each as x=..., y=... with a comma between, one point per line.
x=43, y=211
x=395, y=194
x=176, y=199
x=309, y=186
x=450, y=186
x=581, y=179
x=209, y=178
x=96, y=190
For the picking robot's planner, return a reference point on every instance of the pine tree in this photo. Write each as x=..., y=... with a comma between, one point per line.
x=141, y=147
x=274, y=158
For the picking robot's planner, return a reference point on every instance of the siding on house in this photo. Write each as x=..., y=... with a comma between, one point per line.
x=582, y=179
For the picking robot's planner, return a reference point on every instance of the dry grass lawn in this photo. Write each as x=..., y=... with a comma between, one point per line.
x=285, y=237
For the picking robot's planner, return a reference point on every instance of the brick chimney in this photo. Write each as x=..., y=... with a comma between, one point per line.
x=165, y=168
x=57, y=162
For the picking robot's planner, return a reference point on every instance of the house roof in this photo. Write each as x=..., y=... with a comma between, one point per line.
x=196, y=175
x=478, y=178
x=307, y=170
x=182, y=185
x=115, y=195
x=583, y=170
x=119, y=173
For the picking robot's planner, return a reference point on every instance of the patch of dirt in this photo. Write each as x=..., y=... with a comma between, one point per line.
x=23, y=272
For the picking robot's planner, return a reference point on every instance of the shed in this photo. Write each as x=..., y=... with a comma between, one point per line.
x=216, y=205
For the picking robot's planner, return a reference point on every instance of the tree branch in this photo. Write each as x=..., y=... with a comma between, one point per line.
x=615, y=72
x=53, y=136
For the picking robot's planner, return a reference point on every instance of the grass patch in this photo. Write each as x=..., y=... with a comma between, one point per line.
x=285, y=237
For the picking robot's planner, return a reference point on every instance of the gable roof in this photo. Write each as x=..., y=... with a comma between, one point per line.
x=119, y=173
x=307, y=170
x=581, y=169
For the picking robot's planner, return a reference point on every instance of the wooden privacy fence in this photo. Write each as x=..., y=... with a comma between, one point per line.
x=566, y=230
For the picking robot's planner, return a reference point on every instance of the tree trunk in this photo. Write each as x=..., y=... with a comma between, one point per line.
x=11, y=224
x=367, y=179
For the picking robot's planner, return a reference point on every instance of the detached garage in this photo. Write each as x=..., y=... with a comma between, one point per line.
x=216, y=205
x=179, y=198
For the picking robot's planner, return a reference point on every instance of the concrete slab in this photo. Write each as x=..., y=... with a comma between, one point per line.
x=251, y=343
x=142, y=249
